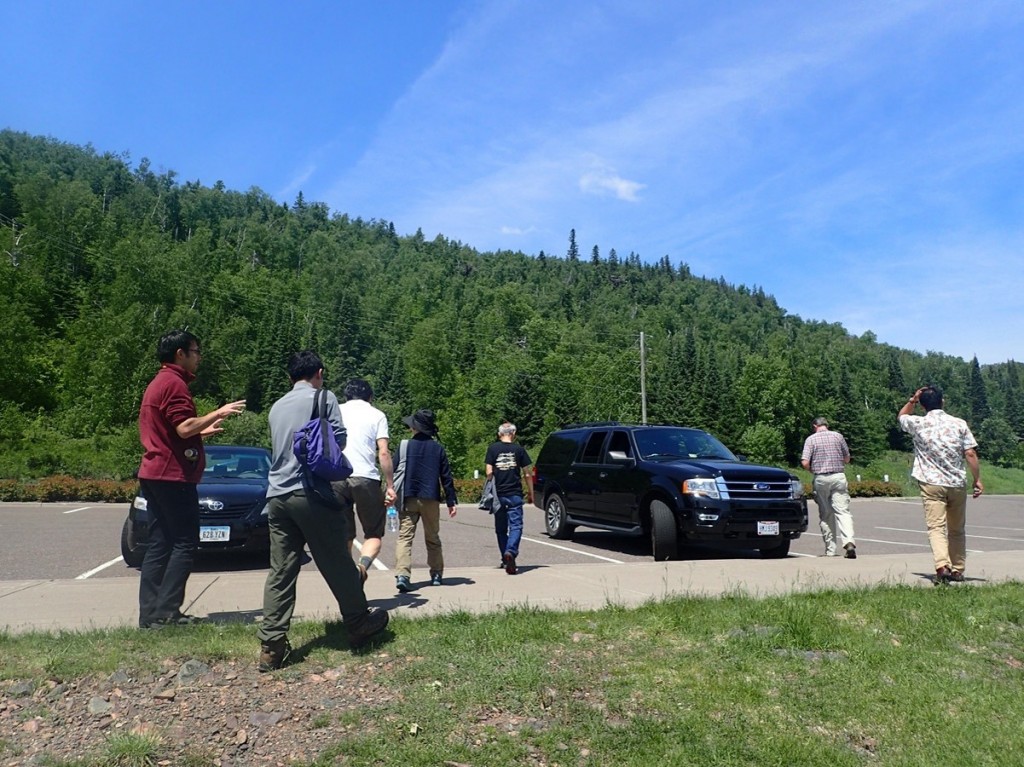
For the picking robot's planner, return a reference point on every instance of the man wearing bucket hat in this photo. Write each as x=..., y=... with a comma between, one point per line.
x=422, y=471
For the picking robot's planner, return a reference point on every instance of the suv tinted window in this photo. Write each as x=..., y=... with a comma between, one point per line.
x=673, y=442
x=592, y=450
x=559, y=450
x=620, y=442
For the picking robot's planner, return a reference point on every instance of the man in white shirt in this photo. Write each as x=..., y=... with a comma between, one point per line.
x=367, y=444
x=942, y=445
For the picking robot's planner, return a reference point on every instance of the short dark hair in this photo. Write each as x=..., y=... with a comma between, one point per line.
x=169, y=343
x=357, y=388
x=931, y=398
x=302, y=366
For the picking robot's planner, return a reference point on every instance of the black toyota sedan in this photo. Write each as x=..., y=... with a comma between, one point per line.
x=232, y=505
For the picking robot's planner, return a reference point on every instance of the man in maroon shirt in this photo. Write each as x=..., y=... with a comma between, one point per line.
x=172, y=464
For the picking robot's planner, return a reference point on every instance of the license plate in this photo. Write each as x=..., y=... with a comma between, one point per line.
x=212, y=534
x=767, y=528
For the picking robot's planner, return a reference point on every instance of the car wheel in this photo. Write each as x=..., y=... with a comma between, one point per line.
x=776, y=552
x=132, y=550
x=555, y=518
x=664, y=538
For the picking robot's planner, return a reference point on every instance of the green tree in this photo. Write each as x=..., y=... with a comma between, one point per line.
x=979, y=397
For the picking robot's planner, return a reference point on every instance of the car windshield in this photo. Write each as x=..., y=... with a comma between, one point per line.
x=669, y=442
x=225, y=463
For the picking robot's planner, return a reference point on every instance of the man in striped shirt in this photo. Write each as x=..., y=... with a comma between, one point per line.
x=825, y=456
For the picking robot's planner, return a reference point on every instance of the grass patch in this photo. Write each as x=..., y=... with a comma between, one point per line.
x=895, y=675
x=998, y=480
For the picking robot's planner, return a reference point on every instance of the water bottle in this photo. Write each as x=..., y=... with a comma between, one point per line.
x=392, y=518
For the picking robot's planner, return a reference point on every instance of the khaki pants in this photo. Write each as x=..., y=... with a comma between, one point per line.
x=295, y=520
x=832, y=494
x=945, y=514
x=413, y=511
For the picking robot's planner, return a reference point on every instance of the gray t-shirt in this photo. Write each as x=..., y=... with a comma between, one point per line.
x=288, y=414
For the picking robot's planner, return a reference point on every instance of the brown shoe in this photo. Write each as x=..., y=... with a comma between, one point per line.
x=955, y=576
x=943, y=576
x=273, y=654
x=363, y=629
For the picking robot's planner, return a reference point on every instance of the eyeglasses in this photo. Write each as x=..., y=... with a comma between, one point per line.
x=195, y=350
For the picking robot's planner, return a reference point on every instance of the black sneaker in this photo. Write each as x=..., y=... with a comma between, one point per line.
x=510, y=563
x=273, y=654
x=179, y=619
x=368, y=626
x=435, y=579
x=402, y=584
x=851, y=551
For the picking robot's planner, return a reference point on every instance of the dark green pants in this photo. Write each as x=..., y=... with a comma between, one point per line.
x=295, y=520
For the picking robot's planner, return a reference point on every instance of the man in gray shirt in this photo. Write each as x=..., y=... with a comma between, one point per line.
x=302, y=509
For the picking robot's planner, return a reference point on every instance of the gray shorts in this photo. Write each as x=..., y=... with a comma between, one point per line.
x=367, y=495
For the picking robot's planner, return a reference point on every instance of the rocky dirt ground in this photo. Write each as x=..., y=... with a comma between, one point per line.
x=223, y=715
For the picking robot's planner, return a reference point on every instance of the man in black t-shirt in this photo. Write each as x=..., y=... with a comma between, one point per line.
x=507, y=461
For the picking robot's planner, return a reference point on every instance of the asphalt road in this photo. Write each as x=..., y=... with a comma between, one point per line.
x=66, y=540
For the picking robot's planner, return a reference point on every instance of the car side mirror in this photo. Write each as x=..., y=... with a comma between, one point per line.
x=740, y=457
x=617, y=456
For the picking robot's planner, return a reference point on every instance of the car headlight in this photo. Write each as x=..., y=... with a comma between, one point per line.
x=797, y=488
x=140, y=503
x=707, y=488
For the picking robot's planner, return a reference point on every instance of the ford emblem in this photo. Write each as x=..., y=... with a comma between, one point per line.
x=762, y=486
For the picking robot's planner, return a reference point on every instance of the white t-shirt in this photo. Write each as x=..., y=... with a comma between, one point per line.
x=365, y=424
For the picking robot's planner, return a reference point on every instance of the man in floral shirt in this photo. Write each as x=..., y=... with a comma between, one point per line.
x=941, y=445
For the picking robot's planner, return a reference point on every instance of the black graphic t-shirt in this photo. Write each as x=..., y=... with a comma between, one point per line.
x=508, y=459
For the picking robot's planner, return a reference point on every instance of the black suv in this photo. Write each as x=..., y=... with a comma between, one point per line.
x=672, y=483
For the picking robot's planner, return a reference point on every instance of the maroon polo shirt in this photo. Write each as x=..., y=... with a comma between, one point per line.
x=166, y=403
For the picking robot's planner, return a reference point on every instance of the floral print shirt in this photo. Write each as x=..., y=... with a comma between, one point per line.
x=939, y=444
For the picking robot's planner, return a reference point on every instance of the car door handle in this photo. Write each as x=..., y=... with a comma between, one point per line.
x=603, y=474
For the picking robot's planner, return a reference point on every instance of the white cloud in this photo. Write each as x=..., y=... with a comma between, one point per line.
x=295, y=184
x=516, y=231
x=604, y=181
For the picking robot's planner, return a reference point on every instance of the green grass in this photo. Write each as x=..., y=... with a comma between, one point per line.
x=897, y=466
x=892, y=676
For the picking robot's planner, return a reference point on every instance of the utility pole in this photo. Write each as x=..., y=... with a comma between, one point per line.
x=643, y=381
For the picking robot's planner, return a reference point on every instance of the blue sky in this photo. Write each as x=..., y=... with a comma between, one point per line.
x=863, y=162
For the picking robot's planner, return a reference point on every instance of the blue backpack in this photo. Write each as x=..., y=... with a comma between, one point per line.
x=315, y=446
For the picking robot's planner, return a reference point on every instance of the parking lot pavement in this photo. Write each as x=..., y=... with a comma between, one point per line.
x=589, y=572
x=237, y=596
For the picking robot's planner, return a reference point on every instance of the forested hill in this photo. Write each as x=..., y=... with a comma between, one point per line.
x=99, y=258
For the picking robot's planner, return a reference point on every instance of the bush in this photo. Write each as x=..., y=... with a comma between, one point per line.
x=866, y=489
x=63, y=488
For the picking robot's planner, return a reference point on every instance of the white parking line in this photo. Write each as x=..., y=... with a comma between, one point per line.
x=72, y=511
x=894, y=543
x=575, y=551
x=969, y=535
x=95, y=570
x=920, y=545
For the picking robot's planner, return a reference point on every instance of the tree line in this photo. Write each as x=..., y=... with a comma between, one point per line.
x=99, y=257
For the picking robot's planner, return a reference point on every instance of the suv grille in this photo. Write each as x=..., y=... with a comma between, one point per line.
x=754, y=490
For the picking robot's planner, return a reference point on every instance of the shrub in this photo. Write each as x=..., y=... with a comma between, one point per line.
x=63, y=488
x=866, y=489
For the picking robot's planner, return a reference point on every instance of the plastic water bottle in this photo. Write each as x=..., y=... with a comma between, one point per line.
x=392, y=518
